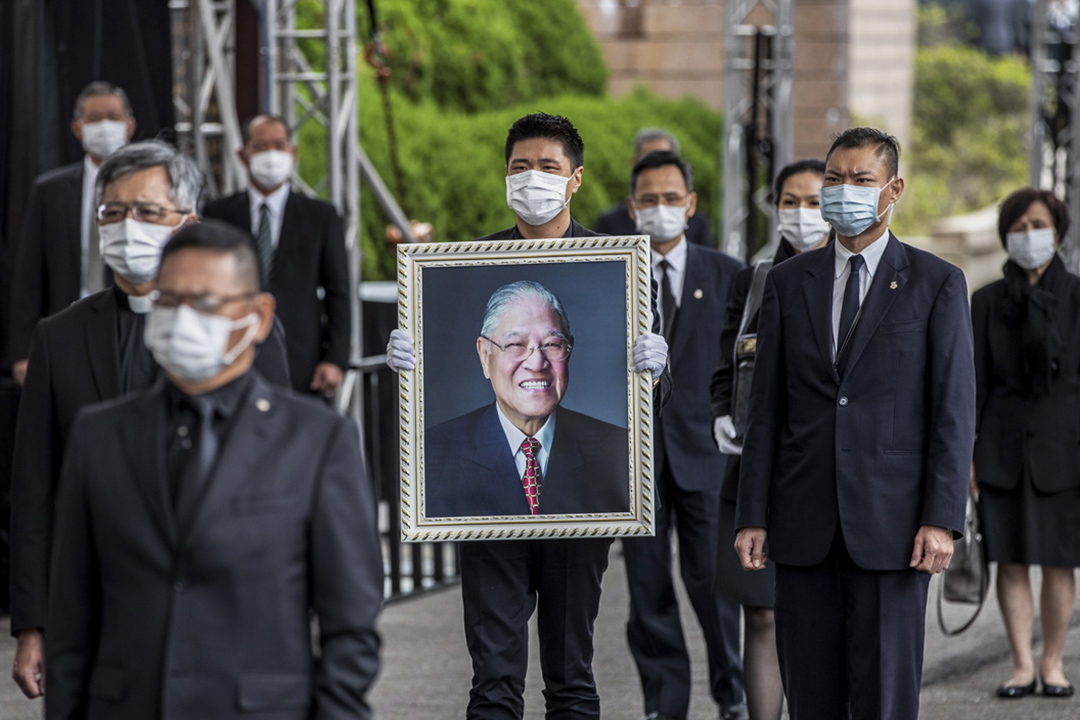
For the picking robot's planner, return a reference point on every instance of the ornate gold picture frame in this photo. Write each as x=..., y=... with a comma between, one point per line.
x=460, y=476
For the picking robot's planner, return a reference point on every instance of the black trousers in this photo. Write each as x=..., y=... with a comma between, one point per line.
x=502, y=583
x=654, y=629
x=850, y=640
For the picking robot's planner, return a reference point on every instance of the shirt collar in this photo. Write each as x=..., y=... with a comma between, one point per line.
x=676, y=256
x=515, y=437
x=871, y=254
x=275, y=200
x=226, y=399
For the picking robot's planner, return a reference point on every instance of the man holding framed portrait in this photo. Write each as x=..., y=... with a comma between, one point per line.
x=504, y=581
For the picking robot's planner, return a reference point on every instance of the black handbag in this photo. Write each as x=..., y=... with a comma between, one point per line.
x=967, y=579
x=745, y=350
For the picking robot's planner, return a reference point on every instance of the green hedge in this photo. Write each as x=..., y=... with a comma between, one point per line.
x=454, y=166
x=477, y=55
x=970, y=133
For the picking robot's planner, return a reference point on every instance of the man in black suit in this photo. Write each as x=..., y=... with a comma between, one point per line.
x=504, y=581
x=56, y=262
x=694, y=283
x=92, y=352
x=476, y=463
x=858, y=448
x=201, y=523
x=617, y=220
x=302, y=252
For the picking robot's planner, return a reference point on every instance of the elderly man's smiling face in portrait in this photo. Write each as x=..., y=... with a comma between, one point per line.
x=527, y=359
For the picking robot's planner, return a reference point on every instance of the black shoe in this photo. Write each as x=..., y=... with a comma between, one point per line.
x=658, y=716
x=1016, y=691
x=734, y=712
x=1057, y=691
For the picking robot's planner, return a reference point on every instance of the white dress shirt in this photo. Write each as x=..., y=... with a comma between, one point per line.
x=275, y=201
x=676, y=273
x=89, y=215
x=515, y=437
x=871, y=259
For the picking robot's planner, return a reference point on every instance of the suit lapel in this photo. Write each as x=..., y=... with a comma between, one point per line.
x=73, y=199
x=818, y=289
x=245, y=444
x=492, y=452
x=888, y=281
x=146, y=456
x=689, y=306
x=101, y=344
x=292, y=230
x=565, y=460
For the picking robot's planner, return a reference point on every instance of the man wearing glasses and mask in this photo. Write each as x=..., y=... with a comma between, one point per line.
x=566, y=462
x=203, y=523
x=92, y=352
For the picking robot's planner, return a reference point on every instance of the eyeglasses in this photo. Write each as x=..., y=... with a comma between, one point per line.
x=650, y=200
x=556, y=351
x=109, y=213
x=201, y=302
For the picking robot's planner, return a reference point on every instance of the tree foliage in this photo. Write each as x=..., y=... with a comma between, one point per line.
x=970, y=132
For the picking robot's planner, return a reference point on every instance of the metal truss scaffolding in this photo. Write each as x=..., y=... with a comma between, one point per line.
x=759, y=49
x=1055, y=127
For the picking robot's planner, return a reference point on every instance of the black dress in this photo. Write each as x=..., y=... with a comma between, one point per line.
x=752, y=588
x=1027, y=453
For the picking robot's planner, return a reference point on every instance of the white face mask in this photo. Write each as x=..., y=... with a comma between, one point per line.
x=194, y=346
x=536, y=196
x=804, y=228
x=105, y=137
x=662, y=223
x=271, y=168
x=852, y=209
x=133, y=248
x=1031, y=249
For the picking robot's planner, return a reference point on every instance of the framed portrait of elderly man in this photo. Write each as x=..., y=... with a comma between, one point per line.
x=523, y=417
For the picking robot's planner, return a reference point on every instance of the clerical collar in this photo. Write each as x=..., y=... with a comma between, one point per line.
x=138, y=304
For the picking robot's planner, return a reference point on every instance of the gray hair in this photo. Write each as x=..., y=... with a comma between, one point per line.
x=100, y=87
x=185, y=179
x=649, y=134
x=501, y=300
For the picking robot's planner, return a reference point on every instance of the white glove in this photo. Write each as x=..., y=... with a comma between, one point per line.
x=400, y=355
x=650, y=353
x=723, y=431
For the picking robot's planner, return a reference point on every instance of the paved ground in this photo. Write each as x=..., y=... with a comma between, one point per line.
x=426, y=668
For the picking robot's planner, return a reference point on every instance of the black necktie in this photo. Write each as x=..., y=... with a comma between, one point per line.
x=265, y=243
x=668, y=307
x=850, y=309
x=200, y=461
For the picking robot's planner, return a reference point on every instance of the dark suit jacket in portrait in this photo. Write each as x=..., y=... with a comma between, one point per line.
x=880, y=449
x=74, y=362
x=469, y=469
x=310, y=254
x=694, y=353
x=616, y=220
x=1021, y=431
x=207, y=616
x=46, y=275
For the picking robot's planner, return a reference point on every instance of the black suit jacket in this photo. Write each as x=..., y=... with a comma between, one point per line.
x=47, y=273
x=155, y=616
x=883, y=448
x=686, y=425
x=74, y=363
x=1018, y=431
x=310, y=255
x=469, y=469
x=662, y=391
x=616, y=220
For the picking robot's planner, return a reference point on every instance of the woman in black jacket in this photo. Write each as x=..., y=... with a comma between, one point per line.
x=1027, y=454
x=801, y=229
